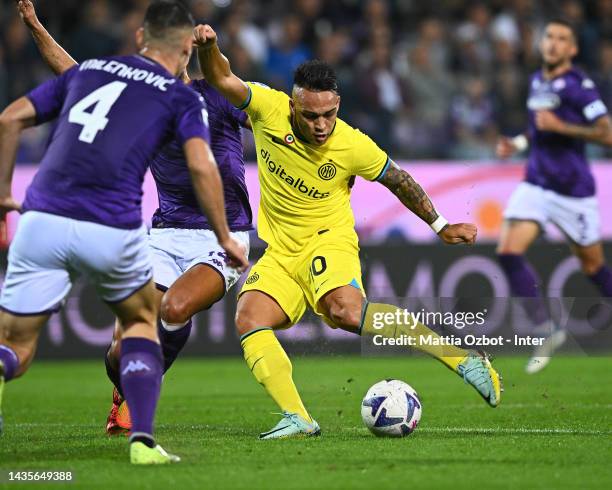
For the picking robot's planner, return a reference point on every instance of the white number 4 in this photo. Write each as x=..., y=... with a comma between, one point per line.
x=95, y=121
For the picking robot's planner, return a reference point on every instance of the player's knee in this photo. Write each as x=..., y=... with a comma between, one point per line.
x=245, y=322
x=175, y=309
x=344, y=314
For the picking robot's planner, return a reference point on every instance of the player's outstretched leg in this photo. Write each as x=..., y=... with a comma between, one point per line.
x=18, y=338
x=347, y=309
x=474, y=367
x=270, y=365
x=140, y=369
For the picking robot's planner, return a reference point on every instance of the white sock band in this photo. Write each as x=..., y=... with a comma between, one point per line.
x=173, y=327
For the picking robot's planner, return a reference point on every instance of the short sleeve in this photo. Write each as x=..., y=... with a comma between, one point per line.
x=237, y=116
x=587, y=100
x=262, y=101
x=191, y=116
x=48, y=98
x=370, y=162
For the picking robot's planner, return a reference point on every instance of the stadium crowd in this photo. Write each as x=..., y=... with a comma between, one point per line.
x=426, y=80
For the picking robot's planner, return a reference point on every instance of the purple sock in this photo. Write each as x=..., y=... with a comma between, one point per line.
x=172, y=342
x=10, y=361
x=603, y=280
x=524, y=284
x=141, y=374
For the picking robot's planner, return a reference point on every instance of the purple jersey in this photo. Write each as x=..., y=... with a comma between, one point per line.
x=178, y=206
x=114, y=114
x=558, y=162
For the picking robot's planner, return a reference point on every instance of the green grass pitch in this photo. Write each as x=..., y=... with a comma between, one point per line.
x=552, y=430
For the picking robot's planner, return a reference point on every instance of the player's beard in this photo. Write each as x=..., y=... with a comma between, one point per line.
x=552, y=66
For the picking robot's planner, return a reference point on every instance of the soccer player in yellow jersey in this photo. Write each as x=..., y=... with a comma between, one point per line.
x=306, y=158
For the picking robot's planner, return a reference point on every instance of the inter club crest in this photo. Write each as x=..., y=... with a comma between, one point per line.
x=252, y=278
x=327, y=171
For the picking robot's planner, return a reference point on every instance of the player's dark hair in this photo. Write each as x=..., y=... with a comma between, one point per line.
x=162, y=16
x=317, y=76
x=566, y=23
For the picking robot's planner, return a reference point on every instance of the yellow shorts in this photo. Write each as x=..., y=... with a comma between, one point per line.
x=329, y=261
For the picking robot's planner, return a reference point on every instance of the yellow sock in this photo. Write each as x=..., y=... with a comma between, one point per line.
x=448, y=354
x=271, y=367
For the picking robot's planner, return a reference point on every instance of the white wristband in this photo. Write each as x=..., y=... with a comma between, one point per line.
x=520, y=142
x=440, y=223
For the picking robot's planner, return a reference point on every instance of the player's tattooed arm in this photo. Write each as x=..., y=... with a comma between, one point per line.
x=216, y=67
x=412, y=195
x=599, y=132
x=409, y=192
x=54, y=55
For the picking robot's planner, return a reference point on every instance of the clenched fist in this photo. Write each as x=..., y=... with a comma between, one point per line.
x=27, y=12
x=204, y=36
x=459, y=233
x=505, y=147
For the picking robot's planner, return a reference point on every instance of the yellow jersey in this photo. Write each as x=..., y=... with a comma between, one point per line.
x=305, y=188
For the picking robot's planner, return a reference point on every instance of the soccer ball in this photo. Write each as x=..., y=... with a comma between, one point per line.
x=391, y=408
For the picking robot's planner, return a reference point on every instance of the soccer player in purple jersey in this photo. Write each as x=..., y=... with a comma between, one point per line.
x=113, y=115
x=565, y=111
x=188, y=263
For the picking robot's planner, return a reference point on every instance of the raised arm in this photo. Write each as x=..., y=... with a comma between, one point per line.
x=209, y=190
x=412, y=195
x=216, y=68
x=54, y=55
x=14, y=119
x=599, y=132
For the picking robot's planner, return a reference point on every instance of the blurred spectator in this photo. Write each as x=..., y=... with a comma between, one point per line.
x=131, y=22
x=603, y=80
x=237, y=28
x=475, y=53
x=411, y=74
x=97, y=34
x=287, y=53
x=604, y=19
x=573, y=10
x=314, y=24
x=473, y=121
x=422, y=62
x=510, y=83
x=381, y=94
x=17, y=52
x=203, y=10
